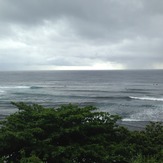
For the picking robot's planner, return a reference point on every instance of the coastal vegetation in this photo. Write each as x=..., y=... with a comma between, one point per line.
x=71, y=134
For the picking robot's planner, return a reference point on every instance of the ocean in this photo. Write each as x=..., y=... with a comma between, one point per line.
x=134, y=95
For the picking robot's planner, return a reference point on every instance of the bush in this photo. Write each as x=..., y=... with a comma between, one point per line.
x=73, y=134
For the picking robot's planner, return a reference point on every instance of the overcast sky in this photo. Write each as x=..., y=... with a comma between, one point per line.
x=81, y=34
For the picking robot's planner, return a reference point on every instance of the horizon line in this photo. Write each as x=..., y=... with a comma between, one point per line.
x=82, y=70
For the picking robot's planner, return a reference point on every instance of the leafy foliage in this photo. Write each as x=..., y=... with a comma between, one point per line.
x=70, y=134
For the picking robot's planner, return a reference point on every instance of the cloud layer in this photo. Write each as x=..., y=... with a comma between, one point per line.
x=80, y=34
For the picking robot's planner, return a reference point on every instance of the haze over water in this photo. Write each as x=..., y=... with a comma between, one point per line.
x=135, y=95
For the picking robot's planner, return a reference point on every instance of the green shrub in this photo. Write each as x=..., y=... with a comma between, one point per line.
x=73, y=134
x=142, y=159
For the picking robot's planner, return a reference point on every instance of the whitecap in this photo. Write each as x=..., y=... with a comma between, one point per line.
x=147, y=98
x=14, y=87
x=129, y=119
x=146, y=115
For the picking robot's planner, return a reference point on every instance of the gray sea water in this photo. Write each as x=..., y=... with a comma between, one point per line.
x=135, y=95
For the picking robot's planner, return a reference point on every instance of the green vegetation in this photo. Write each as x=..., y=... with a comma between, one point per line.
x=70, y=134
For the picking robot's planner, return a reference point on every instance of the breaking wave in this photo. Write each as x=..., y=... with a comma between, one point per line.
x=147, y=98
x=146, y=115
x=14, y=87
x=131, y=119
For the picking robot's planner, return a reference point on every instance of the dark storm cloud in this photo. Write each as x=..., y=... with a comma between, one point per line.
x=90, y=18
x=77, y=32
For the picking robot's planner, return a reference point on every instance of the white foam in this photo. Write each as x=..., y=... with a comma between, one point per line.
x=146, y=115
x=130, y=119
x=14, y=87
x=147, y=98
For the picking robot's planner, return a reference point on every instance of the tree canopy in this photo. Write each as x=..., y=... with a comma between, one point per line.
x=71, y=134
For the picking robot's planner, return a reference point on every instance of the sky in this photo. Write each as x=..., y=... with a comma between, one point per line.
x=81, y=34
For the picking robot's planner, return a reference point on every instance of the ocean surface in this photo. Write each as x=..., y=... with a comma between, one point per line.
x=135, y=95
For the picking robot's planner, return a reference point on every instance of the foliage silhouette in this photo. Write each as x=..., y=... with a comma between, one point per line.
x=76, y=135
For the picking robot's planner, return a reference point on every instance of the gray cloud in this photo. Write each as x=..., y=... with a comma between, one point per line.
x=53, y=34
